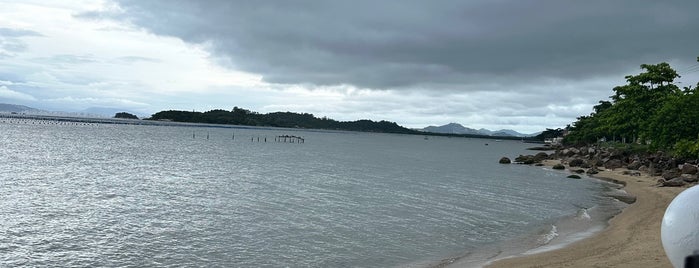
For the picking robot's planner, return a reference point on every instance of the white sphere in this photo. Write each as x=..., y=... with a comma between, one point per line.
x=680, y=228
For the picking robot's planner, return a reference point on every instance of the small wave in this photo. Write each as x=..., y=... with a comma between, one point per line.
x=546, y=238
x=582, y=214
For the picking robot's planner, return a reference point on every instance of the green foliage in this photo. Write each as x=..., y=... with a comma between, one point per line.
x=687, y=148
x=239, y=116
x=649, y=108
x=549, y=134
x=125, y=115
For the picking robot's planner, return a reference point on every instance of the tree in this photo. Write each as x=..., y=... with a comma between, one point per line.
x=125, y=115
x=629, y=114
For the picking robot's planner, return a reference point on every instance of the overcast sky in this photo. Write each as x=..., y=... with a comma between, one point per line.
x=522, y=65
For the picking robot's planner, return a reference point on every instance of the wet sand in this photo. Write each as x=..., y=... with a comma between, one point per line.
x=631, y=240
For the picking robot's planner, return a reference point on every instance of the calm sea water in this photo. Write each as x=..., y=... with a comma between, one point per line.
x=153, y=196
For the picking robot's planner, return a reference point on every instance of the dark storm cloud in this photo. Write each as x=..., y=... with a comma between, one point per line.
x=399, y=43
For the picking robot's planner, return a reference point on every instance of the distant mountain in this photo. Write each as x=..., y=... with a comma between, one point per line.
x=13, y=108
x=454, y=128
x=451, y=128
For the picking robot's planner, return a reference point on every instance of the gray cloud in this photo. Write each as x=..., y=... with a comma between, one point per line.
x=11, y=32
x=11, y=41
x=398, y=43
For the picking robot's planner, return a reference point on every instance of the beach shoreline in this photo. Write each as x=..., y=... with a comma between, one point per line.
x=632, y=238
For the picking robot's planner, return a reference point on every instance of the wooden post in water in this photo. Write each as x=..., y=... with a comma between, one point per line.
x=207, y=135
x=193, y=135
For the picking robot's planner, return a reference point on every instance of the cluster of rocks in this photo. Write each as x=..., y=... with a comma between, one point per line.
x=590, y=159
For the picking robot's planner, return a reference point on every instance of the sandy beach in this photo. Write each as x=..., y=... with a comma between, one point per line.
x=631, y=240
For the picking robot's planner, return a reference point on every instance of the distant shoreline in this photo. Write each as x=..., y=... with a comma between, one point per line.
x=632, y=238
x=120, y=121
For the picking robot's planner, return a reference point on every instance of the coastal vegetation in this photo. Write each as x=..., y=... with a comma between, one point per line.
x=649, y=113
x=239, y=116
x=125, y=115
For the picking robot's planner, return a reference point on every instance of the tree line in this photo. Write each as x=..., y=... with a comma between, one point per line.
x=239, y=116
x=650, y=109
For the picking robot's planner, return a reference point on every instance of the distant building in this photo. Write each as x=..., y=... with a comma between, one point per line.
x=554, y=141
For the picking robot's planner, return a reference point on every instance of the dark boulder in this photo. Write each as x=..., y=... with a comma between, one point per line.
x=525, y=159
x=689, y=169
x=592, y=171
x=670, y=174
x=676, y=182
x=573, y=176
x=558, y=166
x=635, y=165
x=631, y=173
x=612, y=164
x=623, y=197
x=689, y=177
x=541, y=156
x=505, y=160
x=576, y=162
x=579, y=171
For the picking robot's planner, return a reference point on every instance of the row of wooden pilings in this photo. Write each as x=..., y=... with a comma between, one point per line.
x=281, y=138
x=43, y=122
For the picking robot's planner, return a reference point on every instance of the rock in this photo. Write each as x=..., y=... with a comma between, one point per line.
x=689, y=169
x=643, y=168
x=676, y=182
x=541, y=156
x=631, y=173
x=635, y=165
x=585, y=165
x=596, y=162
x=525, y=159
x=612, y=164
x=623, y=197
x=590, y=150
x=592, y=171
x=558, y=166
x=574, y=150
x=576, y=162
x=670, y=174
x=505, y=160
x=573, y=176
x=538, y=164
x=689, y=177
x=579, y=171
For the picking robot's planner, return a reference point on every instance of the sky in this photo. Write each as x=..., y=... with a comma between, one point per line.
x=495, y=64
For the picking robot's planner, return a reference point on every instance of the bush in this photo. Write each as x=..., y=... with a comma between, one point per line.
x=687, y=148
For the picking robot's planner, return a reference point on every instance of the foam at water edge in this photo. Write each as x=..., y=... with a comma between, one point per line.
x=582, y=215
x=546, y=238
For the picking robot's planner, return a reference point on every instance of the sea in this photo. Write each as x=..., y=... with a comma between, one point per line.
x=121, y=195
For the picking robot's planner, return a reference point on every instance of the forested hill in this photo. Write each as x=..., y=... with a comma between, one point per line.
x=245, y=117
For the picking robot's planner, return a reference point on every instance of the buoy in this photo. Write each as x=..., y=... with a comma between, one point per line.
x=679, y=230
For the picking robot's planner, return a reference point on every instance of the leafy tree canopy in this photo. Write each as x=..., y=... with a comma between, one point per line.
x=650, y=109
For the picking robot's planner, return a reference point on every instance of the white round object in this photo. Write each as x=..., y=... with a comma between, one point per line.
x=680, y=228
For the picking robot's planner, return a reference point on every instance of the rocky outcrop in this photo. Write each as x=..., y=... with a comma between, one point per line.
x=689, y=169
x=674, y=172
x=576, y=162
x=531, y=159
x=613, y=164
x=559, y=166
